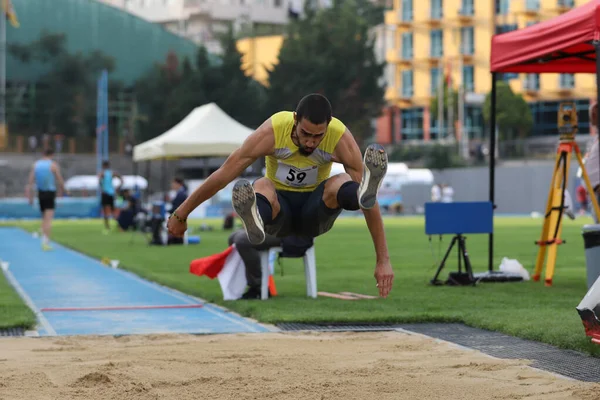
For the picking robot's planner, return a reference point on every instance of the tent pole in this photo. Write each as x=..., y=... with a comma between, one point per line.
x=492, y=166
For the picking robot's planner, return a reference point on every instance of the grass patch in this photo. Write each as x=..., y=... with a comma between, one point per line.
x=14, y=313
x=345, y=262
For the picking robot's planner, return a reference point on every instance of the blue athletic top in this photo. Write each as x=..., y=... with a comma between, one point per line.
x=44, y=177
x=107, y=183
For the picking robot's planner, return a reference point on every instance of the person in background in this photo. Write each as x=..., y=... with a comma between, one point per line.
x=592, y=157
x=181, y=193
x=45, y=173
x=292, y=246
x=436, y=193
x=582, y=199
x=447, y=193
x=108, y=192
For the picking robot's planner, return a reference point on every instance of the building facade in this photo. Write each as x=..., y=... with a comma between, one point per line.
x=436, y=40
x=203, y=20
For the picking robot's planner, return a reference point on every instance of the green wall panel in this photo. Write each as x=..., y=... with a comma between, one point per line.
x=89, y=25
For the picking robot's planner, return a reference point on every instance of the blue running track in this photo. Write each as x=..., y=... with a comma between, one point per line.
x=73, y=294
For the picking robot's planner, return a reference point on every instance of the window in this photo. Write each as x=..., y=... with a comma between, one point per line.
x=502, y=6
x=545, y=117
x=407, y=83
x=407, y=46
x=407, y=10
x=467, y=8
x=532, y=82
x=473, y=122
x=506, y=28
x=468, y=79
x=437, y=43
x=437, y=9
x=412, y=124
x=467, y=40
x=533, y=5
x=567, y=81
x=566, y=3
x=434, y=130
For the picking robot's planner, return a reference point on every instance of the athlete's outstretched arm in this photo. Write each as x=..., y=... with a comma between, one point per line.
x=348, y=153
x=260, y=143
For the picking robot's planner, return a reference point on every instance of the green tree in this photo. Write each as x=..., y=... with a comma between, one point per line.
x=153, y=91
x=66, y=102
x=331, y=51
x=513, y=115
x=169, y=92
x=228, y=85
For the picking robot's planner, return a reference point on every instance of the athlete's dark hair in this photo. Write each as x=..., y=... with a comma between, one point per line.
x=105, y=164
x=314, y=107
x=49, y=151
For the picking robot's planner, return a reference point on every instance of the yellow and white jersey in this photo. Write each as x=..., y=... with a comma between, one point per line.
x=291, y=170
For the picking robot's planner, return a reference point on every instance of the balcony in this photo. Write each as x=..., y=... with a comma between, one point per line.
x=467, y=56
x=465, y=16
x=532, y=8
x=431, y=60
x=395, y=56
x=435, y=18
x=406, y=94
x=560, y=6
x=531, y=87
x=564, y=5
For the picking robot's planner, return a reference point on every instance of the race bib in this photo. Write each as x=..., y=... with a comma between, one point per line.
x=297, y=177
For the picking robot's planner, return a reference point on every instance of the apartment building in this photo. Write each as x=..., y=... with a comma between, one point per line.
x=203, y=20
x=452, y=39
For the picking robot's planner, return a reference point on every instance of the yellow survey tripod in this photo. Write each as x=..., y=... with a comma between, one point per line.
x=567, y=128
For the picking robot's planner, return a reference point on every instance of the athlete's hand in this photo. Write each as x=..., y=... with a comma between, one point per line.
x=176, y=227
x=384, y=277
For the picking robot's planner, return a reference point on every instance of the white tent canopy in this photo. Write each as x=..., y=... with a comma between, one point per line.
x=206, y=131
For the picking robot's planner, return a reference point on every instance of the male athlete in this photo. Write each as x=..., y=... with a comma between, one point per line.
x=297, y=197
x=45, y=173
x=108, y=192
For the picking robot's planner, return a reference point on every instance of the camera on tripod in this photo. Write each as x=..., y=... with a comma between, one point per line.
x=567, y=121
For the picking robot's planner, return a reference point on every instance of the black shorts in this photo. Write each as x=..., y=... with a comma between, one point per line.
x=302, y=214
x=47, y=199
x=108, y=201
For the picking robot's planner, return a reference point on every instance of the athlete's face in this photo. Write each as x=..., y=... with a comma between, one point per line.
x=307, y=135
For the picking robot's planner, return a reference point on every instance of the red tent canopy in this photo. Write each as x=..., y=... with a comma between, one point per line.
x=561, y=45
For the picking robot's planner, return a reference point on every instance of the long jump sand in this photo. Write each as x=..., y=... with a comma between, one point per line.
x=384, y=365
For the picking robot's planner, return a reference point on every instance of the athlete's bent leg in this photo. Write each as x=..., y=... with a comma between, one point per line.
x=341, y=192
x=258, y=206
x=266, y=200
x=375, y=164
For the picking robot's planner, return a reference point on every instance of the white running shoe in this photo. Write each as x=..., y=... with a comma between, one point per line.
x=375, y=164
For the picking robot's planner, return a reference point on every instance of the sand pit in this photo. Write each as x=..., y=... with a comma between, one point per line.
x=387, y=365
